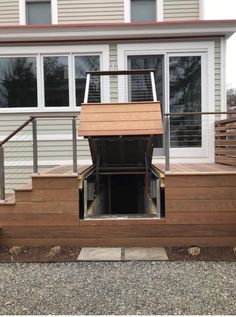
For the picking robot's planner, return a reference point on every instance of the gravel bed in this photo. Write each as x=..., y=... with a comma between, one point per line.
x=106, y=288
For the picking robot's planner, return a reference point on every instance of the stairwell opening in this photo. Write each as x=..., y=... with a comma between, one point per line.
x=122, y=195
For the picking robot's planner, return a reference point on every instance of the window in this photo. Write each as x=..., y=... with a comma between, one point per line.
x=49, y=78
x=84, y=64
x=185, y=96
x=143, y=10
x=18, y=83
x=56, y=81
x=38, y=12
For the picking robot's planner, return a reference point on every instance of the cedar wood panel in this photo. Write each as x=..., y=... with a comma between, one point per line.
x=46, y=216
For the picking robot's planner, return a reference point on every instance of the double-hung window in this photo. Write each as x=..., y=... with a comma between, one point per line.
x=33, y=12
x=38, y=12
x=141, y=11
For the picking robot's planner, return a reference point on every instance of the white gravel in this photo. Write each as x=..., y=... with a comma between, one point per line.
x=118, y=288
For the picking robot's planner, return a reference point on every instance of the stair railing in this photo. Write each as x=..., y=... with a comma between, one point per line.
x=33, y=120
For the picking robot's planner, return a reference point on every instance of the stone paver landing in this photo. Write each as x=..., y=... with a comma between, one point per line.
x=122, y=254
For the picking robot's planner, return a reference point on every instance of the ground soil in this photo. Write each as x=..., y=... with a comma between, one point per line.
x=38, y=255
x=207, y=254
x=70, y=254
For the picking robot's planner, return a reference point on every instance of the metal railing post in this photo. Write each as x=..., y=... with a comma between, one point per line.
x=2, y=174
x=35, y=146
x=87, y=88
x=74, y=139
x=167, y=143
x=154, y=93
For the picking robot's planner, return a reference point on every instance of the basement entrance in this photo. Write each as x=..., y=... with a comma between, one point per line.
x=122, y=182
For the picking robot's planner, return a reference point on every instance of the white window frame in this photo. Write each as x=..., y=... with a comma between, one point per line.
x=204, y=49
x=22, y=10
x=71, y=51
x=127, y=10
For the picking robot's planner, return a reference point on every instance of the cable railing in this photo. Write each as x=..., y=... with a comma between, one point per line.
x=189, y=130
x=120, y=86
x=28, y=146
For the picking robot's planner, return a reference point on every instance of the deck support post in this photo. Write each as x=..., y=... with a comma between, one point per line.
x=2, y=175
x=35, y=146
x=74, y=137
x=167, y=143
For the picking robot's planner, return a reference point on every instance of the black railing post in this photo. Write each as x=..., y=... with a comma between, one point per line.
x=35, y=146
x=167, y=143
x=2, y=175
x=74, y=139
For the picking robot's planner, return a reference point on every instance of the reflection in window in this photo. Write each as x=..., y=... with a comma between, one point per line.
x=185, y=96
x=38, y=12
x=84, y=64
x=141, y=85
x=18, y=83
x=143, y=10
x=56, y=84
x=141, y=89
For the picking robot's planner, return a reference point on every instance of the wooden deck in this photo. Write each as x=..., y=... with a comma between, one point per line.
x=200, y=210
x=195, y=169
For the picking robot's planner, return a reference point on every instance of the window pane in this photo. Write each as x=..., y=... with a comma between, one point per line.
x=38, y=12
x=18, y=83
x=56, y=84
x=143, y=10
x=185, y=96
x=147, y=62
x=84, y=64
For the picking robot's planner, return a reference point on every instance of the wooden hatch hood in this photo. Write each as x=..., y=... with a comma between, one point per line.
x=120, y=119
x=121, y=134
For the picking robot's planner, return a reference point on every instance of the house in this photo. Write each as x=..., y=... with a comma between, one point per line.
x=46, y=49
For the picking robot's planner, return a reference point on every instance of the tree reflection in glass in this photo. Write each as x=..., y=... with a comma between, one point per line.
x=85, y=64
x=18, y=82
x=185, y=96
x=56, y=84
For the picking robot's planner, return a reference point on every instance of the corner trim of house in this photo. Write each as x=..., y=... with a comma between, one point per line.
x=202, y=9
x=223, y=74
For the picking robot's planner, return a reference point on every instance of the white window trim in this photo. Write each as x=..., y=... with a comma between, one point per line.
x=127, y=10
x=206, y=152
x=201, y=9
x=22, y=11
x=71, y=51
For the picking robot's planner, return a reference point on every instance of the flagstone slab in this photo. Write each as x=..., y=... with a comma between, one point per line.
x=100, y=254
x=145, y=254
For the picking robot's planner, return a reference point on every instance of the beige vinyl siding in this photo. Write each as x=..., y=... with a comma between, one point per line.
x=90, y=11
x=181, y=10
x=9, y=12
x=113, y=66
x=218, y=75
x=54, y=144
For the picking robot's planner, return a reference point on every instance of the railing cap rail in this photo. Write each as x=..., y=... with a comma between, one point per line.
x=121, y=72
x=172, y=114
